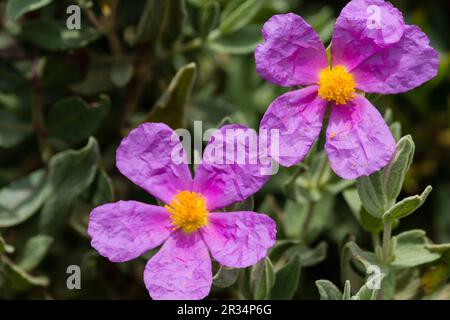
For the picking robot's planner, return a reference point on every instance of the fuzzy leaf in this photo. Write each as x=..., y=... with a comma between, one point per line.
x=287, y=280
x=328, y=291
x=411, y=250
x=406, y=206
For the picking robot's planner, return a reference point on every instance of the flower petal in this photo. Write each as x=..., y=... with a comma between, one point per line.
x=358, y=140
x=292, y=53
x=231, y=168
x=399, y=68
x=124, y=230
x=363, y=28
x=239, y=239
x=153, y=158
x=298, y=116
x=181, y=270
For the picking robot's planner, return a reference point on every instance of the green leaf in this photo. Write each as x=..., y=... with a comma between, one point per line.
x=225, y=277
x=17, y=8
x=411, y=250
x=4, y=247
x=262, y=279
x=10, y=77
x=372, y=193
x=171, y=107
x=311, y=257
x=14, y=280
x=71, y=172
x=53, y=35
x=287, y=280
x=73, y=120
x=34, y=251
x=346, y=295
x=238, y=14
x=209, y=16
x=395, y=172
x=242, y=42
x=12, y=130
x=22, y=198
x=328, y=291
x=365, y=293
x=366, y=258
x=101, y=191
x=406, y=206
x=161, y=22
x=121, y=72
x=379, y=190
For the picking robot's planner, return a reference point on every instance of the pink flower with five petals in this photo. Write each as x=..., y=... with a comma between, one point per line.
x=373, y=51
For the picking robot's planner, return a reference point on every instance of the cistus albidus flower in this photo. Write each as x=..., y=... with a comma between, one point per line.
x=190, y=226
x=373, y=51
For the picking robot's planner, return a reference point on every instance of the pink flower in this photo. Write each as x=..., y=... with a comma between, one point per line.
x=189, y=225
x=372, y=50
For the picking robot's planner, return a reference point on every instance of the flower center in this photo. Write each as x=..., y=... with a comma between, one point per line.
x=337, y=85
x=188, y=211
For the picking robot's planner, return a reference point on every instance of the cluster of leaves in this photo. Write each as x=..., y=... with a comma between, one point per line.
x=67, y=97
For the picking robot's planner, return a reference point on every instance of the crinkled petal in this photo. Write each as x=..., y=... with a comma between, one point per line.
x=232, y=168
x=239, y=239
x=399, y=68
x=358, y=140
x=363, y=28
x=297, y=118
x=124, y=230
x=153, y=158
x=181, y=270
x=292, y=53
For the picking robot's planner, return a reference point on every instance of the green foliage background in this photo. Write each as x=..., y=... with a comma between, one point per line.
x=67, y=97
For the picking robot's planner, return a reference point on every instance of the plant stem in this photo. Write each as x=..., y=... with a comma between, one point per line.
x=387, y=230
x=308, y=219
x=38, y=116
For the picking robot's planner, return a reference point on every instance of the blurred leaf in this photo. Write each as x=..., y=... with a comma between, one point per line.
x=237, y=14
x=346, y=295
x=74, y=120
x=53, y=35
x=209, y=16
x=287, y=280
x=161, y=22
x=365, y=293
x=311, y=257
x=4, y=247
x=225, y=277
x=14, y=280
x=242, y=42
x=410, y=250
x=12, y=130
x=34, y=251
x=406, y=206
x=121, y=72
x=71, y=172
x=262, y=279
x=435, y=277
x=328, y=291
x=10, y=77
x=101, y=191
x=16, y=8
x=171, y=107
x=22, y=198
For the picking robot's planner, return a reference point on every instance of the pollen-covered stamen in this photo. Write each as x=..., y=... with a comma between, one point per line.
x=336, y=85
x=188, y=211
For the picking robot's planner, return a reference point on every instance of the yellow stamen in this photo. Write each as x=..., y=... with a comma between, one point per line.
x=188, y=211
x=337, y=85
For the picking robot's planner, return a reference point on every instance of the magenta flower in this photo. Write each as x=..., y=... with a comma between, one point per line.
x=372, y=50
x=189, y=225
